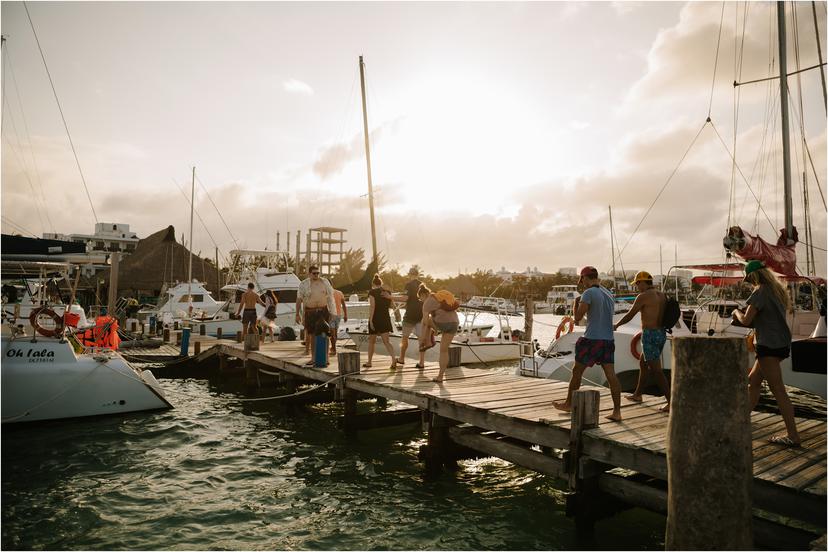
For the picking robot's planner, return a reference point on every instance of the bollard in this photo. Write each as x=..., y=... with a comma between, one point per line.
x=197, y=348
x=178, y=338
x=202, y=329
x=709, y=449
x=454, y=356
x=166, y=335
x=133, y=326
x=184, y=336
x=251, y=342
x=175, y=325
x=238, y=337
x=218, y=332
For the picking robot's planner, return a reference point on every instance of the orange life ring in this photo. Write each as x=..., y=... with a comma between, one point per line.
x=634, y=346
x=563, y=323
x=750, y=340
x=35, y=316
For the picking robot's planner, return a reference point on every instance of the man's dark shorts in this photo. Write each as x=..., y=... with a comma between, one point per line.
x=594, y=351
x=249, y=317
x=781, y=353
x=312, y=318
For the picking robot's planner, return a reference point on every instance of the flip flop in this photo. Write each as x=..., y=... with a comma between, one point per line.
x=420, y=366
x=400, y=361
x=783, y=440
x=366, y=365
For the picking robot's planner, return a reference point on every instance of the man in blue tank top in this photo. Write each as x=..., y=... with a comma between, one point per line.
x=597, y=346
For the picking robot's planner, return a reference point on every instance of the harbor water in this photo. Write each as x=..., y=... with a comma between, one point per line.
x=217, y=472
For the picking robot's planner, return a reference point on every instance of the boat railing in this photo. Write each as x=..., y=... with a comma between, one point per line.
x=529, y=365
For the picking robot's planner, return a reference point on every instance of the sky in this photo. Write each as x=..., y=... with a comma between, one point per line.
x=501, y=133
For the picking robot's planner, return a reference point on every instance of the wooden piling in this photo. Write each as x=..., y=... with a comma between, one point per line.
x=528, y=316
x=178, y=339
x=238, y=337
x=197, y=347
x=348, y=363
x=202, y=329
x=218, y=332
x=166, y=334
x=133, y=326
x=454, y=356
x=584, y=416
x=176, y=325
x=251, y=342
x=709, y=448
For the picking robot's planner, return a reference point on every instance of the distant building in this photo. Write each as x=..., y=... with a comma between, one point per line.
x=568, y=271
x=108, y=236
x=530, y=272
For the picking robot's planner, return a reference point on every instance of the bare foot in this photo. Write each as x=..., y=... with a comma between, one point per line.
x=562, y=405
x=614, y=417
x=634, y=398
x=400, y=361
x=665, y=408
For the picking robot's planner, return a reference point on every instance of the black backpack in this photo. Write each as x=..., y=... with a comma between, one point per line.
x=671, y=314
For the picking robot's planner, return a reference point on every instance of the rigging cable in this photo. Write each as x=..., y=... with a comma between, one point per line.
x=235, y=242
x=716, y=61
x=60, y=109
x=819, y=54
x=180, y=189
x=28, y=135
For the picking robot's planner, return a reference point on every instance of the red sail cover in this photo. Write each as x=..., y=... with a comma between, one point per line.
x=781, y=258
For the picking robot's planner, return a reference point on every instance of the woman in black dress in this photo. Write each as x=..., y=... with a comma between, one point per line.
x=379, y=320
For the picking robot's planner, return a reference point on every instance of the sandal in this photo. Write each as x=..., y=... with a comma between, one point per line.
x=366, y=365
x=400, y=361
x=419, y=366
x=783, y=440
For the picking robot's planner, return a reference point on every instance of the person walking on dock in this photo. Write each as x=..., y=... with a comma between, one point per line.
x=412, y=321
x=340, y=316
x=650, y=303
x=379, y=320
x=440, y=315
x=268, y=319
x=247, y=310
x=597, y=346
x=766, y=314
x=315, y=295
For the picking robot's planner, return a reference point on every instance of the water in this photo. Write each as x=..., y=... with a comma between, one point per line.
x=219, y=474
x=212, y=474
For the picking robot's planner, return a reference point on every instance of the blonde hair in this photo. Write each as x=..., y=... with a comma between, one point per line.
x=764, y=277
x=376, y=280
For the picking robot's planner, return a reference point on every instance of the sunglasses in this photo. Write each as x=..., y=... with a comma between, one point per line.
x=314, y=274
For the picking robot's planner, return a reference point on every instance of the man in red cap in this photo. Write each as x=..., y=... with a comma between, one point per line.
x=597, y=346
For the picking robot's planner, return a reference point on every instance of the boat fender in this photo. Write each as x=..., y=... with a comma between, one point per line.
x=634, y=346
x=37, y=314
x=563, y=324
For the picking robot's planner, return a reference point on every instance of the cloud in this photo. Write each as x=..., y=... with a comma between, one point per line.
x=295, y=86
x=333, y=159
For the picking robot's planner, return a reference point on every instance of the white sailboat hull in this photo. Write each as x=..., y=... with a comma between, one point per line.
x=46, y=380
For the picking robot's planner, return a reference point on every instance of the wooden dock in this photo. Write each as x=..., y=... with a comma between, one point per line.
x=512, y=417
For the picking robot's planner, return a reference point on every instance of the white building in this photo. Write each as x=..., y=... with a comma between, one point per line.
x=108, y=236
x=568, y=271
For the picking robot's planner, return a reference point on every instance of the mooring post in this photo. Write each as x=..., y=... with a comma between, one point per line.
x=218, y=333
x=584, y=415
x=166, y=335
x=251, y=342
x=709, y=448
x=202, y=329
x=528, y=316
x=238, y=337
x=437, y=453
x=184, y=341
x=454, y=356
x=197, y=348
x=133, y=326
x=348, y=363
x=178, y=339
x=222, y=363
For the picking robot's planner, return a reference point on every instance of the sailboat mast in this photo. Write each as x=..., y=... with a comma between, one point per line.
x=190, y=269
x=783, y=104
x=612, y=247
x=368, y=159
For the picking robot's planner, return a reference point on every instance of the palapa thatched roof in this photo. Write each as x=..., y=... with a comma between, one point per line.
x=160, y=259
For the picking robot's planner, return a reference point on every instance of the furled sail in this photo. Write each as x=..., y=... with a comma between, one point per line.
x=781, y=258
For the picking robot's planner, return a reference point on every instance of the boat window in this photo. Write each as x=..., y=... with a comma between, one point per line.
x=286, y=295
x=197, y=298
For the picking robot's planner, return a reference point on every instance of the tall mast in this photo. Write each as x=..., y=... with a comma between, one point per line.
x=783, y=104
x=612, y=247
x=368, y=159
x=190, y=269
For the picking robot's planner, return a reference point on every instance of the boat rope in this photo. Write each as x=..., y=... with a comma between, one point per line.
x=28, y=137
x=203, y=187
x=666, y=183
x=60, y=109
x=55, y=397
x=201, y=220
x=233, y=400
x=716, y=61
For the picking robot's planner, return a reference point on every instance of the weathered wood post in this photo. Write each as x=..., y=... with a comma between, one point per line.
x=528, y=316
x=251, y=372
x=348, y=363
x=709, y=454
x=178, y=339
x=202, y=329
x=176, y=325
x=438, y=452
x=238, y=337
x=584, y=415
x=196, y=348
x=454, y=356
x=251, y=342
x=133, y=326
x=218, y=333
x=222, y=363
x=166, y=335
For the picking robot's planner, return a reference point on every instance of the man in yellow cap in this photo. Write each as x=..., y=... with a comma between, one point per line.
x=650, y=303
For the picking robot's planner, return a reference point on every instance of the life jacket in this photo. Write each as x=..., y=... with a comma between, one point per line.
x=447, y=300
x=103, y=335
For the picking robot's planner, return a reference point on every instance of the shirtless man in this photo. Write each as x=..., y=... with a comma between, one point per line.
x=650, y=303
x=316, y=295
x=248, y=302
